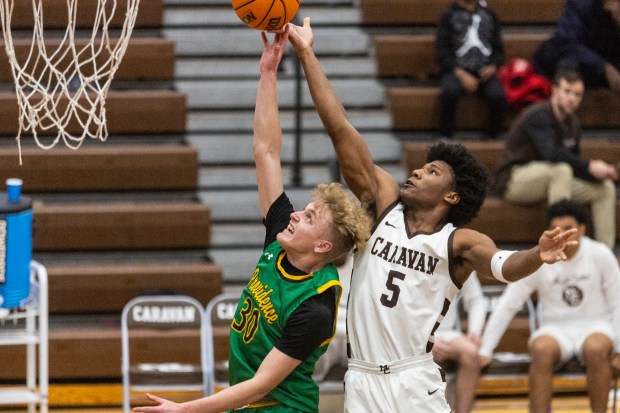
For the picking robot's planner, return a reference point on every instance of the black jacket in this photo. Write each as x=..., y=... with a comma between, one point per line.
x=452, y=50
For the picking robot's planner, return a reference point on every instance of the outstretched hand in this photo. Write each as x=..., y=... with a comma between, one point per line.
x=301, y=36
x=553, y=244
x=163, y=406
x=272, y=53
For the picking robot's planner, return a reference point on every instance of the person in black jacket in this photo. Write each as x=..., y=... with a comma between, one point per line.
x=469, y=50
x=588, y=34
x=541, y=159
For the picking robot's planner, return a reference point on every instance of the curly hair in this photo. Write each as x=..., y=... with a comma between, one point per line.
x=567, y=208
x=470, y=180
x=351, y=224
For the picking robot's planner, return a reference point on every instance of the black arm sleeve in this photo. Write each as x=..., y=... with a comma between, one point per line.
x=310, y=324
x=443, y=45
x=497, y=58
x=278, y=217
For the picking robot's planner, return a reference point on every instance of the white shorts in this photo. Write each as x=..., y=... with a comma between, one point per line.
x=415, y=384
x=570, y=336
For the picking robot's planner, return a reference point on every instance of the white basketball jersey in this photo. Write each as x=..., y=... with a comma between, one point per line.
x=401, y=289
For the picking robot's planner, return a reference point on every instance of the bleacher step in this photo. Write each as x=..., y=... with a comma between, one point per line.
x=245, y=203
x=232, y=67
x=241, y=94
x=215, y=121
x=116, y=225
x=78, y=287
x=92, y=344
x=427, y=12
x=317, y=148
x=244, y=176
x=202, y=16
x=240, y=40
x=237, y=263
x=226, y=3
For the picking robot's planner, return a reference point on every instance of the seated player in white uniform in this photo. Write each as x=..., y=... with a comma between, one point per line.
x=579, y=313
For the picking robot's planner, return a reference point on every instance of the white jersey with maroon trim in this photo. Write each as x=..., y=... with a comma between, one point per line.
x=401, y=289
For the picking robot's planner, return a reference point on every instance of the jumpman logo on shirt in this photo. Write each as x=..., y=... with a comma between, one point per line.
x=472, y=39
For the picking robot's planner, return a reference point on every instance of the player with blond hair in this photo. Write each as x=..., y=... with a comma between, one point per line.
x=286, y=315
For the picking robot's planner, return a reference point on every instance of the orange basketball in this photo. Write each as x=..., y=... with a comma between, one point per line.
x=265, y=14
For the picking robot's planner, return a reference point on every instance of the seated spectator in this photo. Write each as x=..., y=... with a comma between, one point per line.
x=541, y=161
x=469, y=50
x=452, y=344
x=579, y=314
x=588, y=34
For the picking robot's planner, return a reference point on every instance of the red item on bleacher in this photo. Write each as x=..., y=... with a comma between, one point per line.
x=522, y=85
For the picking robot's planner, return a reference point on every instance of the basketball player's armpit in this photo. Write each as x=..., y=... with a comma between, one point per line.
x=476, y=250
x=309, y=326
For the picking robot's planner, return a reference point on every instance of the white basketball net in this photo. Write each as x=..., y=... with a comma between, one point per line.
x=62, y=88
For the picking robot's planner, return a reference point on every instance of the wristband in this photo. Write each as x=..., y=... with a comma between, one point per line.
x=497, y=262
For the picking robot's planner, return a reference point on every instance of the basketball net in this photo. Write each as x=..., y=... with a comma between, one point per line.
x=61, y=89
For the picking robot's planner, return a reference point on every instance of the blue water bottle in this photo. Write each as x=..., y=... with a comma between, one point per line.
x=15, y=245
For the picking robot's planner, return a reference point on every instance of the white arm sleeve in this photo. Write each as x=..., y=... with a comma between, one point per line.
x=475, y=304
x=610, y=273
x=510, y=302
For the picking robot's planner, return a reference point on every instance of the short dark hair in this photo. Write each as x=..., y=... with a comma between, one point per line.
x=470, y=180
x=567, y=208
x=568, y=70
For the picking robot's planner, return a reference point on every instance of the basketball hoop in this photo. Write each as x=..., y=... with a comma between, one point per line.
x=61, y=87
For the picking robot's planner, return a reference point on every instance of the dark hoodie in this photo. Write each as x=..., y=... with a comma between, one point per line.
x=586, y=35
x=451, y=35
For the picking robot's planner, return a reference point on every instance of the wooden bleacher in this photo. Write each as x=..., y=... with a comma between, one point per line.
x=120, y=226
x=503, y=222
x=128, y=112
x=146, y=58
x=55, y=12
x=416, y=108
x=427, y=12
x=413, y=55
x=112, y=220
x=487, y=152
x=92, y=351
x=125, y=168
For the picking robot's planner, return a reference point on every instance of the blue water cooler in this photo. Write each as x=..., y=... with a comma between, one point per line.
x=15, y=250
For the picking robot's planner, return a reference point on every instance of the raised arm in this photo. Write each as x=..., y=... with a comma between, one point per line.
x=272, y=371
x=367, y=181
x=478, y=252
x=267, y=130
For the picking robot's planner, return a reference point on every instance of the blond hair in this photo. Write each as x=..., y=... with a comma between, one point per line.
x=350, y=223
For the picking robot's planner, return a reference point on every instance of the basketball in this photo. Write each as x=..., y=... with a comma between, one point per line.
x=265, y=14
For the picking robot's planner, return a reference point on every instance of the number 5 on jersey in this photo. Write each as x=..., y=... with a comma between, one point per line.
x=395, y=289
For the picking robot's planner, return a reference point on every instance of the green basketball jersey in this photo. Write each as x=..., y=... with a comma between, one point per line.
x=265, y=305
